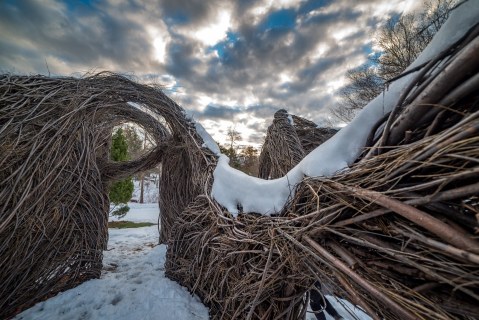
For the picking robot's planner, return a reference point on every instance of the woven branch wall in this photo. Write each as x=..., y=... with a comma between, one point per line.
x=289, y=139
x=55, y=172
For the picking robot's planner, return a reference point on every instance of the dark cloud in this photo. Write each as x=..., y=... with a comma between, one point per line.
x=88, y=37
x=184, y=12
x=327, y=19
x=181, y=58
x=214, y=112
x=242, y=6
x=270, y=57
x=308, y=76
x=262, y=111
x=228, y=112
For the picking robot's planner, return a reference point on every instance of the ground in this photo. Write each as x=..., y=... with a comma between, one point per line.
x=133, y=283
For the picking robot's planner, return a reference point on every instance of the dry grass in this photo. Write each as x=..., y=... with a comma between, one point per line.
x=129, y=224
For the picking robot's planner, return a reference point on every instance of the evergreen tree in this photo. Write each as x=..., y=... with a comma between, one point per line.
x=121, y=191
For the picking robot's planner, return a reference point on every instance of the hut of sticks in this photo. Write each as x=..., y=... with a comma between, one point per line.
x=55, y=172
x=289, y=139
x=395, y=233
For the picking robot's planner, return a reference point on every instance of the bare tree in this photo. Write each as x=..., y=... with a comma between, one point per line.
x=400, y=45
x=139, y=142
x=134, y=141
x=250, y=161
x=233, y=136
x=400, y=40
x=364, y=85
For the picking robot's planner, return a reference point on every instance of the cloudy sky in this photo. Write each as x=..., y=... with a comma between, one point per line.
x=226, y=62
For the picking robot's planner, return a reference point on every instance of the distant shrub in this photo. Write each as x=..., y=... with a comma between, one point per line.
x=120, y=212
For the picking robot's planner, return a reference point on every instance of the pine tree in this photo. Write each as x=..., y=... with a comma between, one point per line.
x=121, y=191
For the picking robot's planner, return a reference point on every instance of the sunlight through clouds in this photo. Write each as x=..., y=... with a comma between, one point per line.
x=216, y=31
x=160, y=40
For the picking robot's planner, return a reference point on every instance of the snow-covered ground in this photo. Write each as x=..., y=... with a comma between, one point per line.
x=133, y=283
x=344, y=308
x=146, y=212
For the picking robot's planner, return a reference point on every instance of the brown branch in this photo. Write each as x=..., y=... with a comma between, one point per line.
x=417, y=216
x=381, y=297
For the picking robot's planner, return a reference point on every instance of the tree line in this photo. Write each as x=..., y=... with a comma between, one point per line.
x=244, y=158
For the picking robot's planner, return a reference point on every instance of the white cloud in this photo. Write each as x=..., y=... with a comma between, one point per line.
x=160, y=39
x=320, y=51
x=285, y=77
x=216, y=31
x=204, y=100
x=341, y=33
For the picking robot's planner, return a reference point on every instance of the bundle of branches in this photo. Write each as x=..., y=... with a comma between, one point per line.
x=395, y=234
x=55, y=172
x=282, y=148
x=186, y=173
x=289, y=139
x=241, y=268
x=309, y=134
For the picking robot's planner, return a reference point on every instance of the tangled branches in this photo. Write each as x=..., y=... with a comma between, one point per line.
x=395, y=234
x=289, y=139
x=55, y=171
x=372, y=233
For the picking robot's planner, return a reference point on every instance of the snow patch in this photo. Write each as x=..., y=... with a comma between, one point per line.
x=146, y=212
x=235, y=189
x=291, y=120
x=208, y=141
x=133, y=285
x=151, y=191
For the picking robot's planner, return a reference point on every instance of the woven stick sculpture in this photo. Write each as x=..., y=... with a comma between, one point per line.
x=55, y=172
x=395, y=233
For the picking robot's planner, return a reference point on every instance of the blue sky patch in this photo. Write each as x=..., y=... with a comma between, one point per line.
x=222, y=47
x=74, y=5
x=312, y=5
x=177, y=18
x=370, y=53
x=282, y=19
